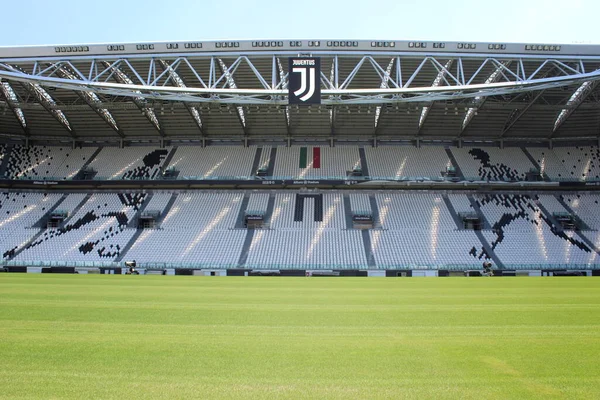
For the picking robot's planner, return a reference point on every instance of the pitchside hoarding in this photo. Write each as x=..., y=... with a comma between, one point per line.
x=304, y=80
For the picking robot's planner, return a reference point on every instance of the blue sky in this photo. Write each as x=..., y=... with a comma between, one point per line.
x=36, y=22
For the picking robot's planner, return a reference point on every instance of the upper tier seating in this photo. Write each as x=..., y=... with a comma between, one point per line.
x=214, y=161
x=300, y=162
x=308, y=162
x=406, y=161
x=569, y=163
x=129, y=163
x=46, y=162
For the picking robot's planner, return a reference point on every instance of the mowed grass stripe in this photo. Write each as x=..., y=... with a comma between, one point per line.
x=70, y=336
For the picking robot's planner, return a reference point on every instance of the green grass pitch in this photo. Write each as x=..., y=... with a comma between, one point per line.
x=157, y=337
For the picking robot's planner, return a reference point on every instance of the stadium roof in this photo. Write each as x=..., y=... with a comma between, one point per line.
x=236, y=90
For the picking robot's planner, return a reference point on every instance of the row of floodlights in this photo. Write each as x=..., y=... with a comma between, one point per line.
x=298, y=43
x=70, y=49
x=312, y=43
x=541, y=47
x=188, y=45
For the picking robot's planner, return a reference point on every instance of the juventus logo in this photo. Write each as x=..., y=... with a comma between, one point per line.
x=304, y=76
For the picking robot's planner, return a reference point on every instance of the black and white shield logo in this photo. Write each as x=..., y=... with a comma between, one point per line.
x=304, y=81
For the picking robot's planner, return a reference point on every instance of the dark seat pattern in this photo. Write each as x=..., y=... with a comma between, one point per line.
x=134, y=200
x=494, y=172
x=36, y=162
x=518, y=206
x=151, y=168
x=6, y=199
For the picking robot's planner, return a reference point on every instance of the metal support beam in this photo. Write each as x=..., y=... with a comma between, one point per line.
x=439, y=79
x=478, y=102
x=282, y=83
x=232, y=95
x=92, y=100
x=122, y=78
x=230, y=82
x=12, y=101
x=576, y=99
x=44, y=98
x=179, y=82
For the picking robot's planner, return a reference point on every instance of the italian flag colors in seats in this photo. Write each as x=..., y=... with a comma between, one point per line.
x=316, y=157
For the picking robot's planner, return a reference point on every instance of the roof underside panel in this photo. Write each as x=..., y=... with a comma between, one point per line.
x=355, y=120
x=177, y=121
x=265, y=120
x=537, y=122
x=133, y=122
x=310, y=121
x=584, y=122
x=9, y=123
x=486, y=122
x=221, y=121
x=442, y=122
x=398, y=120
x=42, y=123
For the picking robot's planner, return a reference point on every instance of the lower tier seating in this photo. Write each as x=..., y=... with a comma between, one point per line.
x=309, y=229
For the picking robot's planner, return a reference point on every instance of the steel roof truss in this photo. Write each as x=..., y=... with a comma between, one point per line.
x=230, y=81
x=139, y=100
x=576, y=99
x=193, y=110
x=92, y=100
x=13, y=103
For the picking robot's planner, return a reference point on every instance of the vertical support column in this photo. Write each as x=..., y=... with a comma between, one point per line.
x=337, y=82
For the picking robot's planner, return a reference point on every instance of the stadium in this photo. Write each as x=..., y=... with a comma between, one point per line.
x=409, y=157
x=300, y=158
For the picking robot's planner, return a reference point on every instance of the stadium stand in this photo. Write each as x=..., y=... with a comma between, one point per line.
x=400, y=169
